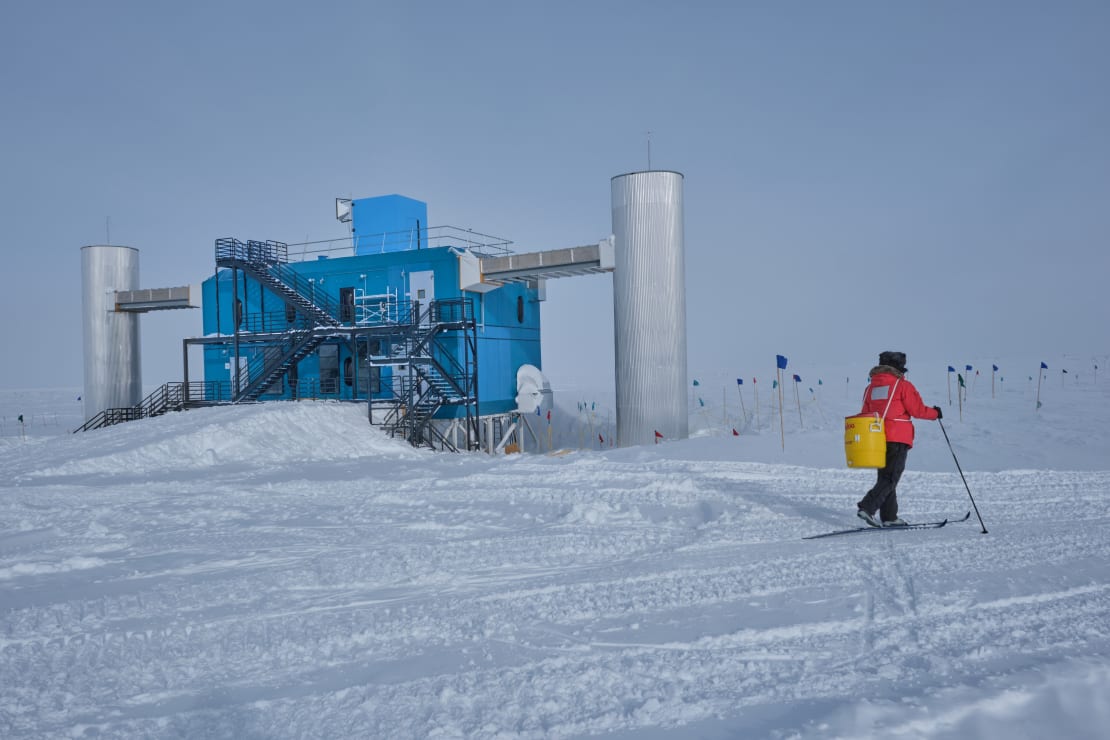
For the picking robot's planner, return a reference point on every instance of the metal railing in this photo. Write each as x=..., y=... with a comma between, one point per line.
x=167, y=397
x=483, y=245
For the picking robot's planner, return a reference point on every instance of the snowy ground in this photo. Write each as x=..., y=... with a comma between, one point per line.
x=284, y=571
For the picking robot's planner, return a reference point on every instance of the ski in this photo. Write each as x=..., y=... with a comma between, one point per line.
x=918, y=525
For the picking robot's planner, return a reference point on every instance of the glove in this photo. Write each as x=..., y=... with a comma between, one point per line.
x=940, y=414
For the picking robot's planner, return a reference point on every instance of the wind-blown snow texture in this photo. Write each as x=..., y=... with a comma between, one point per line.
x=285, y=571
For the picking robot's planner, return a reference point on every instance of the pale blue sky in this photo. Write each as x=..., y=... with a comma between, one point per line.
x=928, y=176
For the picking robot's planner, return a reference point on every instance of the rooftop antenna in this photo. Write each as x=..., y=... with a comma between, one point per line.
x=649, y=149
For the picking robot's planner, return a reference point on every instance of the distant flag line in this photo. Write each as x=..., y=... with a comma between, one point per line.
x=966, y=379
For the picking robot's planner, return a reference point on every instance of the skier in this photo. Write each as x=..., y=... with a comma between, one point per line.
x=889, y=392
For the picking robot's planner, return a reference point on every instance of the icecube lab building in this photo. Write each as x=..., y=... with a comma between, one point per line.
x=428, y=326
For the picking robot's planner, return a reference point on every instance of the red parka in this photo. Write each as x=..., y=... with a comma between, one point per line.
x=906, y=403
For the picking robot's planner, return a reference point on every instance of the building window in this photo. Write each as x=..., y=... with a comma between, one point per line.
x=346, y=304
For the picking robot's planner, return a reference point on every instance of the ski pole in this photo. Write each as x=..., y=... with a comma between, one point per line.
x=984, y=526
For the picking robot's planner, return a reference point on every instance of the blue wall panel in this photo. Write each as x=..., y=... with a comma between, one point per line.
x=388, y=223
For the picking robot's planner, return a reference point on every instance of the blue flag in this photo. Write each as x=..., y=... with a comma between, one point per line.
x=994, y=367
x=797, y=378
x=739, y=381
x=951, y=369
x=1044, y=366
x=967, y=368
x=781, y=361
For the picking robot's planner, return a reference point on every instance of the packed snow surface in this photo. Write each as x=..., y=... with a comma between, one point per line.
x=287, y=571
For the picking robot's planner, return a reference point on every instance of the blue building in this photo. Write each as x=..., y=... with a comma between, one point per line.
x=400, y=318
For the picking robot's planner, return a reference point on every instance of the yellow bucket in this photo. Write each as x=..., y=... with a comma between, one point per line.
x=864, y=441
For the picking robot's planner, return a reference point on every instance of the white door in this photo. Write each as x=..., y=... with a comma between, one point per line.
x=422, y=289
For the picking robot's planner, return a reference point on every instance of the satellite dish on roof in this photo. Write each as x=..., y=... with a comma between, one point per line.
x=343, y=209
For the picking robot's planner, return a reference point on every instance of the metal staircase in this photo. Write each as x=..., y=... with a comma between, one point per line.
x=437, y=378
x=270, y=367
x=169, y=397
x=268, y=263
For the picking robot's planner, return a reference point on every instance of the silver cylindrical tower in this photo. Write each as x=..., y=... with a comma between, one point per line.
x=649, y=307
x=113, y=370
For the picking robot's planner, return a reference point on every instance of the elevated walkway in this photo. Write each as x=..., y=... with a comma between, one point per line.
x=157, y=299
x=553, y=263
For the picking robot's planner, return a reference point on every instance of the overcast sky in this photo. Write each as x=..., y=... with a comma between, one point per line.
x=926, y=176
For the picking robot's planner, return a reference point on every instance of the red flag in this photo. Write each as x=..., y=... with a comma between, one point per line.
x=549, y=415
x=600, y=439
x=735, y=433
x=658, y=435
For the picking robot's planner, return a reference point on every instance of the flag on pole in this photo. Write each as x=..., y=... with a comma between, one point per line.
x=951, y=369
x=994, y=368
x=735, y=433
x=700, y=402
x=774, y=384
x=1040, y=376
x=21, y=418
x=696, y=382
x=658, y=435
x=967, y=368
x=797, y=378
x=600, y=439
x=739, y=381
x=780, y=361
x=960, y=378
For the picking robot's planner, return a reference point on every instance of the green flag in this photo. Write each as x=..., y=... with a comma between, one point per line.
x=961, y=379
x=21, y=418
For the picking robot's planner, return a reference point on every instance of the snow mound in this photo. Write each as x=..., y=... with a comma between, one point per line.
x=273, y=434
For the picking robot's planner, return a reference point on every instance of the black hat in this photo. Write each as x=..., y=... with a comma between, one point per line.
x=896, y=360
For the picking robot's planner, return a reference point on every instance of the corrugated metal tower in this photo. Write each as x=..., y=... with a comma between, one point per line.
x=649, y=304
x=113, y=368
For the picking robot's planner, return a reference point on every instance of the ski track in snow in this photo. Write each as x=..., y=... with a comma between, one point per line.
x=158, y=582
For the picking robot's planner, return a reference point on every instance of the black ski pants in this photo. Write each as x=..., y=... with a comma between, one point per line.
x=883, y=497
